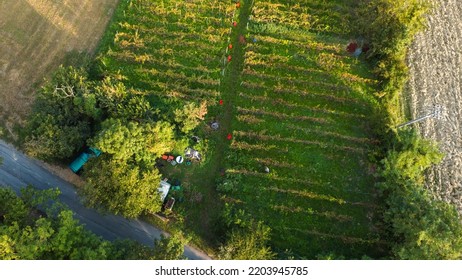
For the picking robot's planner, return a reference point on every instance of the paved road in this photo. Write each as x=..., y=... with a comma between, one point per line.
x=18, y=171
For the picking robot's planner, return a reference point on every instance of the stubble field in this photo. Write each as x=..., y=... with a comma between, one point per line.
x=37, y=36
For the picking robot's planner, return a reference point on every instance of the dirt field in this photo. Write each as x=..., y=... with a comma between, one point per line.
x=35, y=36
x=436, y=78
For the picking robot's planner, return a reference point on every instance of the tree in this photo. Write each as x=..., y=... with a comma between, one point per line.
x=426, y=228
x=110, y=93
x=28, y=233
x=11, y=208
x=121, y=187
x=421, y=226
x=410, y=157
x=34, y=227
x=248, y=243
x=170, y=248
x=394, y=24
x=63, y=115
x=142, y=143
x=7, y=248
x=159, y=138
x=121, y=140
x=130, y=250
x=119, y=102
x=190, y=116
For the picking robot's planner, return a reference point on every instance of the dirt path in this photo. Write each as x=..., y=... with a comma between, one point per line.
x=35, y=36
x=435, y=62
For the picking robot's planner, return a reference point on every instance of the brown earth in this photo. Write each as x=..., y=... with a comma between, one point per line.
x=435, y=62
x=35, y=37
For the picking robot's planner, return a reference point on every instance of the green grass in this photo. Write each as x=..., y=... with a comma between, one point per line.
x=294, y=101
x=303, y=109
x=169, y=51
x=172, y=52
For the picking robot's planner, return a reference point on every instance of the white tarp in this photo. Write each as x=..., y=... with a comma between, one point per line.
x=163, y=189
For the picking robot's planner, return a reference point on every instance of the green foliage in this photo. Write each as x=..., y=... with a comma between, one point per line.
x=11, y=208
x=424, y=229
x=231, y=183
x=395, y=24
x=121, y=187
x=420, y=226
x=110, y=92
x=130, y=250
x=52, y=233
x=391, y=32
x=120, y=139
x=410, y=158
x=170, y=248
x=247, y=239
x=25, y=233
x=329, y=256
x=134, y=107
x=118, y=102
x=302, y=107
x=62, y=117
x=247, y=243
x=189, y=117
x=142, y=143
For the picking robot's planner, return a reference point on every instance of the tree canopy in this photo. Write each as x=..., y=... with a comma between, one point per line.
x=246, y=239
x=247, y=243
x=130, y=140
x=121, y=187
x=35, y=226
x=170, y=248
x=62, y=117
x=29, y=233
x=420, y=226
x=189, y=117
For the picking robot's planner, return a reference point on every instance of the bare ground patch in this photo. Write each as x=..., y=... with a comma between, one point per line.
x=435, y=62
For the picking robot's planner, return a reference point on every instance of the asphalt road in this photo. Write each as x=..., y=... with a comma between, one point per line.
x=18, y=171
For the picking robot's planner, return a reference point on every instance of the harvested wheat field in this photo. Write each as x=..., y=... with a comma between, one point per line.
x=35, y=37
x=435, y=62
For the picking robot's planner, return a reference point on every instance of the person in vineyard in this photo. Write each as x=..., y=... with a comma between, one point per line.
x=242, y=39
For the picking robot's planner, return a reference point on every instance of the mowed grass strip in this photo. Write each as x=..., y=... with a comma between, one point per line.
x=303, y=110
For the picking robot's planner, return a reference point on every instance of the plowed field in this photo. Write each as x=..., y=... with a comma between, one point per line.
x=435, y=62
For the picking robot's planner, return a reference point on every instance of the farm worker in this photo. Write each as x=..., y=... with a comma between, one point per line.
x=230, y=46
x=352, y=46
x=234, y=23
x=241, y=39
x=221, y=102
x=229, y=136
x=229, y=58
x=238, y=4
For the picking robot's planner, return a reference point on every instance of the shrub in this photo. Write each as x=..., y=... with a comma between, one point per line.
x=410, y=157
x=190, y=116
x=420, y=227
x=394, y=26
